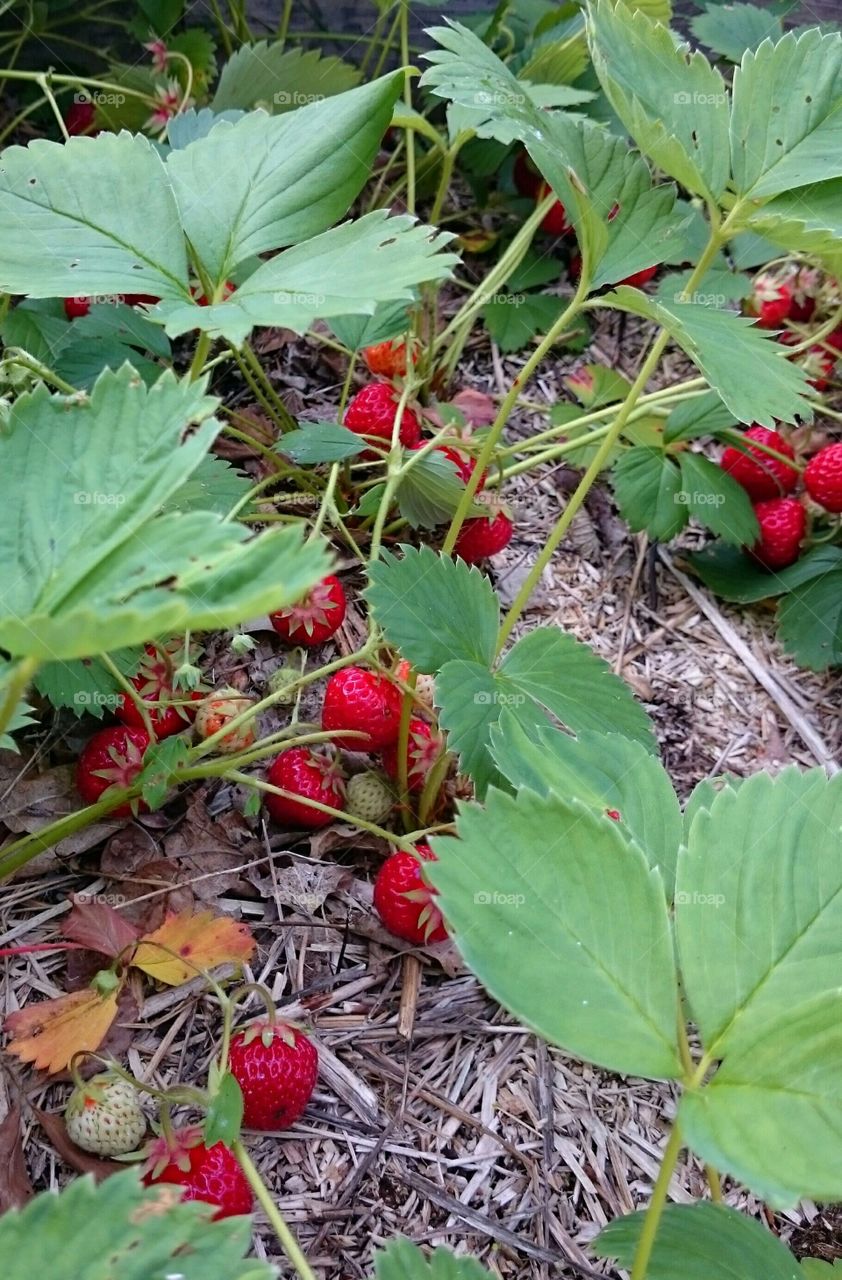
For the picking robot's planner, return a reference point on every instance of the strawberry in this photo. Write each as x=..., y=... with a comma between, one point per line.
x=526, y=177
x=104, y=1116
x=464, y=464
x=210, y=1174
x=404, y=901
x=361, y=700
x=202, y=299
x=135, y=299
x=483, y=536
x=425, y=685
x=761, y=475
x=775, y=298
x=276, y=1068
x=783, y=523
x=371, y=414
x=816, y=361
x=369, y=797
x=80, y=118
x=423, y=749
x=639, y=278
x=388, y=359
x=219, y=709
x=154, y=684
x=308, y=774
x=315, y=618
x=112, y=758
x=823, y=478
x=555, y=221
x=76, y=307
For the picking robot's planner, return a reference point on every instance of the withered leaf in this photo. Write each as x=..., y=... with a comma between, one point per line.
x=186, y=945
x=99, y=927
x=49, y=1033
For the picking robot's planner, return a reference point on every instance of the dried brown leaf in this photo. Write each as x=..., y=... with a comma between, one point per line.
x=99, y=927
x=15, y=1186
x=81, y=1161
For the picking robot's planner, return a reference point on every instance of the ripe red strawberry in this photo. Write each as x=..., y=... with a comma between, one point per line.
x=306, y=773
x=483, y=536
x=761, y=475
x=210, y=1174
x=823, y=478
x=276, y=1068
x=80, y=118
x=775, y=298
x=526, y=177
x=135, y=299
x=154, y=684
x=371, y=414
x=639, y=278
x=783, y=523
x=388, y=359
x=315, y=618
x=555, y=221
x=112, y=757
x=76, y=307
x=202, y=299
x=361, y=700
x=463, y=462
x=404, y=901
x=423, y=749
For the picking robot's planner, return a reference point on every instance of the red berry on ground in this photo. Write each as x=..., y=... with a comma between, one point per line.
x=388, y=359
x=526, y=177
x=112, y=757
x=76, y=307
x=405, y=902
x=315, y=618
x=361, y=700
x=423, y=749
x=483, y=536
x=823, y=478
x=209, y=1174
x=783, y=523
x=371, y=414
x=761, y=475
x=276, y=1068
x=310, y=775
x=80, y=118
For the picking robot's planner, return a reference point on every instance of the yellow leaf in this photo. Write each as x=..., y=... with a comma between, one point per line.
x=50, y=1033
x=186, y=945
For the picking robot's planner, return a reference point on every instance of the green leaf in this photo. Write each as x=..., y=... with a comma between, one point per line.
x=83, y=685
x=730, y=29
x=703, y=416
x=402, y=1260
x=813, y=1269
x=810, y=621
x=280, y=79
x=159, y=774
x=81, y=361
x=123, y=324
x=88, y=1227
x=470, y=702
x=556, y=61
x=101, y=568
x=647, y=486
x=703, y=795
x=772, y=1114
x=673, y=102
x=717, y=501
x=317, y=442
x=594, y=385
x=278, y=179
x=720, y=286
x=214, y=486
x=70, y=225
x=39, y=326
x=389, y=320
x=592, y=972
x=733, y=576
x=191, y=125
x=430, y=491
x=808, y=220
x=514, y=319
x=700, y=1242
x=533, y=271
x=433, y=609
x=786, y=122
x=759, y=905
x=723, y=346
x=603, y=771
x=20, y=717
x=348, y=269
x=225, y=1113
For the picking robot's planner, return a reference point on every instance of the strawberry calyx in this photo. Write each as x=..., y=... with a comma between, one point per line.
x=172, y=1147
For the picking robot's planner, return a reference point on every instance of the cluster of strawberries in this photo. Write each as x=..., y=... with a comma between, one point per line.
x=798, y=296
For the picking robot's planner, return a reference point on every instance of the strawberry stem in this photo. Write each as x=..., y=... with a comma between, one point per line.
x=287, y=1240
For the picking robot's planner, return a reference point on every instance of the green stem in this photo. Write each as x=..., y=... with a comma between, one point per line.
x=432, y=786
x=129, y=691
x=278, y=1223
x=403, y=751
x=200, y=355
x=714, y=1183
x=16, y=686
x=284, y=418
x=652, y=1219
x=407, y=97
x=283, y=25
x=41, y=370
x=387, y=46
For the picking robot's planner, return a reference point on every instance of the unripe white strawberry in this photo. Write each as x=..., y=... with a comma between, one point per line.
x=425, y=688
x=219, y=709
x=104, y=1116
x=369, y=797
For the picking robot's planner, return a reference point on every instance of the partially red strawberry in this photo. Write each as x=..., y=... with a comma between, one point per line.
x=423, y=749
x=388, y=359
x=817, y=361
x=210, y=1174
x=555, y=220
x=761, y=475
x=361, y=700
x=310, y=775
x=405, y=902
x=112, y=757
x=823, y=478
x=315, y=618
x=526, y=177
x=483, y=536
x=276, y=1067
x=80, y=118
x=463, y=462
x=778, y=297
x=76, y=307
x=783, y=523
x=154, y=684
x=371, y=414
x=219, y=709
